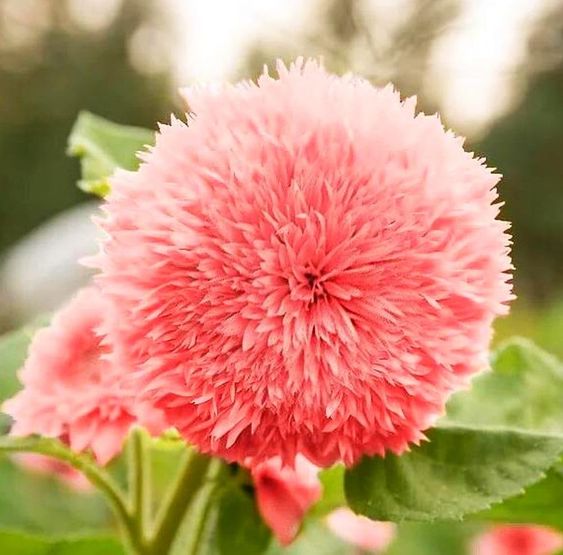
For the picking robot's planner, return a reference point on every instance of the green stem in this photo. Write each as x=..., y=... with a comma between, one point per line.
x=189, y=482
x=201, y=511
x=139, y=484
x=83, y=463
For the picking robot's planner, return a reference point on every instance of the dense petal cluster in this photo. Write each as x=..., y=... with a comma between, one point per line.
x=284, y=494
x=367, y=534
x=518, y=539
x=71, y=390
x=305, y=266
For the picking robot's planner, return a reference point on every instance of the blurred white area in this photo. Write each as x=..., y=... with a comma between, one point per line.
x=476, y=63
x=474, y=68
x=42, y=269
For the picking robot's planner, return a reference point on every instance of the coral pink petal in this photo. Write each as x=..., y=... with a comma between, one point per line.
x=518, y=539
x=284, y=495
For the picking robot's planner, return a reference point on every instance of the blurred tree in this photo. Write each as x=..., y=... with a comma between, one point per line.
x=527, y=146
x=51, y=67
x=390, y=44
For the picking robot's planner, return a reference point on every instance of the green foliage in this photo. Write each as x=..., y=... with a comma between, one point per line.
x=45, y=82
x=526, y=147
x=542, y=503
x=29, y=501
x=523, y=390
x=42, y=504
x=439, y=538
x=333, y=491
x=104, y=146
x=13, y=350
x=459, y=471
x=240, y=528
x=12, y=543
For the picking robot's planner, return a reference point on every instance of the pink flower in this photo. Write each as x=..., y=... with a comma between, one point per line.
x=285, y=494
x=518, y=539
x=53, y=467
x=70, y=389
x=361, y=531
x=305, y=267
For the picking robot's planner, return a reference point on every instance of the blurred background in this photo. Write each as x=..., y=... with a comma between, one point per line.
x=493, y=68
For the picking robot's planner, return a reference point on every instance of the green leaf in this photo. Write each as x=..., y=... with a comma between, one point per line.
x=13, y=351
x=104, y=146
x=523, y=390
x=13, y=543
x=459, y=471
x=332, y=480
x=42, y=504
x=240, y=529
x=542, y=503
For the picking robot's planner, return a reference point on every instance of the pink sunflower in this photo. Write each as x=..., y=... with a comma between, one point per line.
x=71, y=391
x=305, y=266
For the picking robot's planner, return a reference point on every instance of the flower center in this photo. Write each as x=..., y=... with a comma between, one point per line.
x=315, y=286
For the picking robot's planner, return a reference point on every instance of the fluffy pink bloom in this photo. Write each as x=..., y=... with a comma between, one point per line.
x=53, y=467
x=285, y=494
x=361, y=531
x=70, y=389
x=518, y=539
x=304, y=267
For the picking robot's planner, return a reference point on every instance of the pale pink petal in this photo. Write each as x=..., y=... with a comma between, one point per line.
x=72, y=390
x=361, y=531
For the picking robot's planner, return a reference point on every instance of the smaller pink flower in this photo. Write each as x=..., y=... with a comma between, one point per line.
x=518, y=539
x=71, y=391
x=285, y=494
x=361, y=531
x=41, y=464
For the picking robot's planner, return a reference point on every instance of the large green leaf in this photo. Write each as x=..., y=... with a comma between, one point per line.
x=542, y=503
x=104, y=146
x=459, y=471
x=524, y=390
x=13, y=543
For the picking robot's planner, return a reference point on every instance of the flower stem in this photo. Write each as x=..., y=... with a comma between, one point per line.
x=139, y=483
x=83, y=463
x=202, y=508
x=189, y=482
